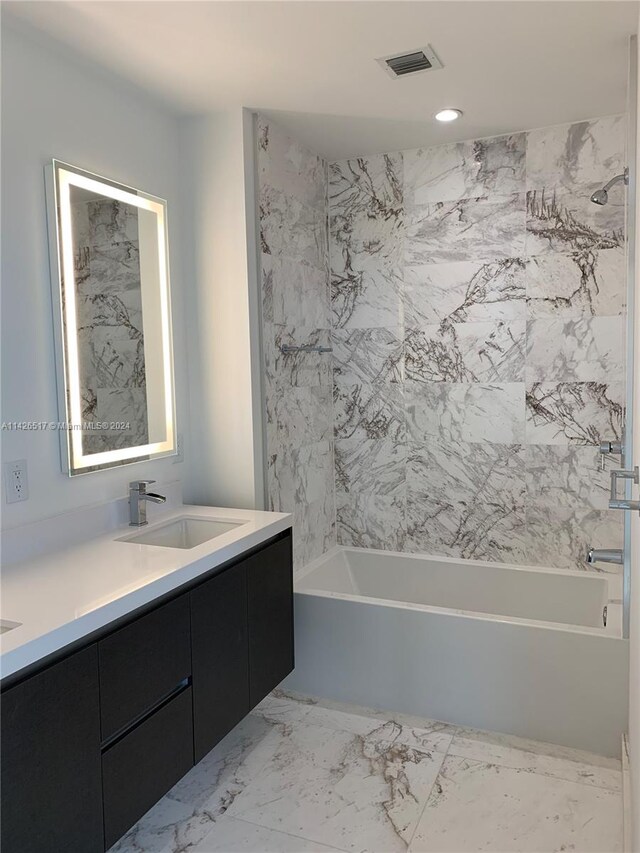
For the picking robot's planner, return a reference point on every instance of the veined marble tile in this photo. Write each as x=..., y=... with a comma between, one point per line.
x=365, y=293
x=590, y=349
x=299, y=475
x=366, y=206
x=188, y=813
x=281, y=708
x=452, y=413
x=367, y=355
x=458, y=230
x=475, y=169
x=466, y=352
x=370, y=466
x=484, y=747
x=366, y=410
x=464, y=291
x=572, y=155
x=304, y=414
x=539, y=748
x=515, y=811
x=349, y=791
x=302, y=368
x=314, y=529
x=234, y=835
x=371, y=521
x=112, y=269
x=577, y=284
x=560, y=536
x=466, y=500
x=295, y=295
x=292, y=229
x=574, y=412
x=562, y=221
x=571, y=476
x=288, y=166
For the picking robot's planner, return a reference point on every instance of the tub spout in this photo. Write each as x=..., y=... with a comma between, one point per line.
x=605, y=555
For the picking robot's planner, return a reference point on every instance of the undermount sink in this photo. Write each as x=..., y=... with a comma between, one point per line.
x=183, y=532
x=7, y=625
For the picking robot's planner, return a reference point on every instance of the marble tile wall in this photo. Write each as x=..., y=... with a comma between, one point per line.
x=477, y=305
x=292, y=189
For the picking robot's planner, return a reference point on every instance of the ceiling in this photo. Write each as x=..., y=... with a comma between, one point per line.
x=508, y=65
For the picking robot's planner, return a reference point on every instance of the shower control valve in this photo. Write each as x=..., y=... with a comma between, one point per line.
x=623, y=474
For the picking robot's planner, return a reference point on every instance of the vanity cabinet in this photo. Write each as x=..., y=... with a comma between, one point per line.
x=220, y=654
x=91, y=742
x=50, y=756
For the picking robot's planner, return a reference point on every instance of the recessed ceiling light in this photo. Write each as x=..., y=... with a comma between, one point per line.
x=448, y=115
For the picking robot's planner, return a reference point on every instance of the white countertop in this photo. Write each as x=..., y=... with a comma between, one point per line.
x=64, y=596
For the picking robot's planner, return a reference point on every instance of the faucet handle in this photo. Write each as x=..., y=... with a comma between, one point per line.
x=140, y=485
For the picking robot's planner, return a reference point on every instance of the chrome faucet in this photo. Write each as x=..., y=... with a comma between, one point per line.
x=605, y=555
x=138, y=497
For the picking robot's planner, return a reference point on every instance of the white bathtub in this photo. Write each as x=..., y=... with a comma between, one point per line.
x=521, y=650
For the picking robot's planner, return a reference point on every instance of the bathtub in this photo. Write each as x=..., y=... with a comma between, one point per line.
x=520, y=650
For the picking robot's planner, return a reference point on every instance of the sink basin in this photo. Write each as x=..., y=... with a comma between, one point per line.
x=183, y=532
x=7, y=625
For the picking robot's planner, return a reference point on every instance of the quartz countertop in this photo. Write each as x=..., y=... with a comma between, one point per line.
x=64, y=596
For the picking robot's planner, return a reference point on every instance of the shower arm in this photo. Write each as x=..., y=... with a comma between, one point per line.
x=623, y=177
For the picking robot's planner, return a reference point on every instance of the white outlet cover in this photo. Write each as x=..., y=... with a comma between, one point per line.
x=16, y=484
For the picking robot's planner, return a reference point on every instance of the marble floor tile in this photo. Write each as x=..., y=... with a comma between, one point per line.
x=589, y=349
x=480, y=168
x=451, y=413
x=279, y=707
x=577, y=284
x=477, y=805
x=483, y=747
x=234, y=835
x=574, y=412
x=346, y=790
x=464, y=291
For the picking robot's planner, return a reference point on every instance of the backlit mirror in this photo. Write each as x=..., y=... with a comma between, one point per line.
x=112, y=315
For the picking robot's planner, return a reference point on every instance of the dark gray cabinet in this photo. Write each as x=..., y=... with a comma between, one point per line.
x=93, y=740
x=270, y=617
x=220, y=653
x=51, y=770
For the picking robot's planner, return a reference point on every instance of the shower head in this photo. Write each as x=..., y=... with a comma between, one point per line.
x=601, y=196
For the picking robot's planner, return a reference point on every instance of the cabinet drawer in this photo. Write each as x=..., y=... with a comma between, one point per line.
x=142, y=663
x=139, y=769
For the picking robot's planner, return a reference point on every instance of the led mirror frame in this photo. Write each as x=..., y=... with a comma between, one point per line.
x=59, y=178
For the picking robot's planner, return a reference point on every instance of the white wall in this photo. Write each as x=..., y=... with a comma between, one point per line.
x=223, y=320
x=55, y=105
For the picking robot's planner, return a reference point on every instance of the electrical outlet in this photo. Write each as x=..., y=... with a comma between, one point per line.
x=16, y=484
x=179, y=457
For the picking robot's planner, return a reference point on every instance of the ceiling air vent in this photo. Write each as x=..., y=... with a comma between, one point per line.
x=411, y=62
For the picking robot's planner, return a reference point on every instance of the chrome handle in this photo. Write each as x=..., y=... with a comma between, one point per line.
x=623, y=474
x=140, y=485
